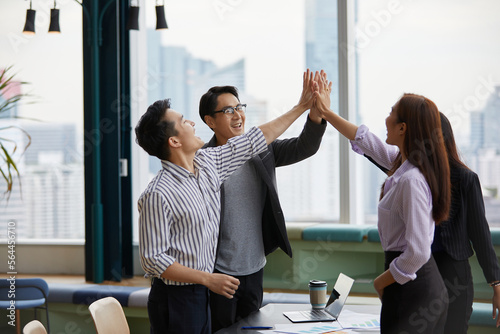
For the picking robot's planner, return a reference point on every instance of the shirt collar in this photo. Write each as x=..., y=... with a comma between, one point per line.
x=405, y=166
x=394, y=178
x=176, y=171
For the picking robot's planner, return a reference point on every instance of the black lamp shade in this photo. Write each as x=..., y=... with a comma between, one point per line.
x=29, y=26
x=54, y=21
x=161, y=23
x=133, y=18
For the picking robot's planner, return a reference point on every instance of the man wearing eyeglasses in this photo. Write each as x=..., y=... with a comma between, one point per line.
x=179, y=212
x=252, y=223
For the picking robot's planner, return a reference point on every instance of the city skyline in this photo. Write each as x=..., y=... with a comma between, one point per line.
x=455, y=67
x=457, y=28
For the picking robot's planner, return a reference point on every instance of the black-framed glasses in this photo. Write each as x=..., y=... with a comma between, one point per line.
x=241, y=108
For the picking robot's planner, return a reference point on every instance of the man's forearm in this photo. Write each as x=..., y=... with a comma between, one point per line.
x=179, y=273
x=222, y=284
x=277, y=126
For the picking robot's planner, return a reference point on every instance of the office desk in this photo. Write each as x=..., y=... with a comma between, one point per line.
x=272, y=314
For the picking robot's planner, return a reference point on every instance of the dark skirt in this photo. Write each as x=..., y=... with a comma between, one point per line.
x=418, y=306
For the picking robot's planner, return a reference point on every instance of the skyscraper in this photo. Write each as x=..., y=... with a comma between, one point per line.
x=322, y=41
x=491, y=121
x=476, y=130
x=484, y=153
x=47, y=200
x=314, y=192
x=175, y=73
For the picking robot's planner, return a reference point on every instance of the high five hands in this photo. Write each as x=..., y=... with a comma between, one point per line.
x=316, y=90
x=321, y=90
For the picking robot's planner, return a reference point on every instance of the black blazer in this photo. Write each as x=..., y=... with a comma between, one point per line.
x=279, y=153
x=466, y=226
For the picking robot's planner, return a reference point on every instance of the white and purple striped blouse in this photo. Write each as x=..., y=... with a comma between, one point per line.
x=405, y=222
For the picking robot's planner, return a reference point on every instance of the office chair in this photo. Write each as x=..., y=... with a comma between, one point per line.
x=27, y=293
x=108, y=316
x=34, y=327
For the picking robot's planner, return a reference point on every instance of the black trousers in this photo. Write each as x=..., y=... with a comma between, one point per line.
x=457, y=278
x=178, y=309
x=418, y=306
x=247, y=299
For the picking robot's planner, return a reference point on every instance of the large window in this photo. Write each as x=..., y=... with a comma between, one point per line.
x=262, y=48
x=47, y=203
x=447, y=51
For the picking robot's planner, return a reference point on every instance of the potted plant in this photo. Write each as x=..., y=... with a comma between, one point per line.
x=10, y=96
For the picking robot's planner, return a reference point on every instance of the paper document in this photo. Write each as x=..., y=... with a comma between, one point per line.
x=309, y=328
x=353, y=320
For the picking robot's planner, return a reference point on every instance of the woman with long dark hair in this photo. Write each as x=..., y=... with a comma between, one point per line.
x=454, y=239
x=415, y=197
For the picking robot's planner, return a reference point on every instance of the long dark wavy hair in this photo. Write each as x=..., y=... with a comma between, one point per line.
x=449, y=142
x=424, y=148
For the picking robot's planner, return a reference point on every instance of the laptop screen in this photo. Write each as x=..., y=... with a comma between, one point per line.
x=343, y=287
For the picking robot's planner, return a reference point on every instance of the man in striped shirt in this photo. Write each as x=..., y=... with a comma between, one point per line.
x=179, y=213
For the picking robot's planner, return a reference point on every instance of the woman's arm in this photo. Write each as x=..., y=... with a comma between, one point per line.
x=322, y=90
x=362, y=140
x=382, y=281
x=415, y=212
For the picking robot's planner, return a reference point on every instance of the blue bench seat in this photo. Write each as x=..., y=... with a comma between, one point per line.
x=128, y=296
x=336, y=232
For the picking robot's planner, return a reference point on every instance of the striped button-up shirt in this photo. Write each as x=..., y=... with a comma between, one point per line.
x=405, y=222
x=179, y=211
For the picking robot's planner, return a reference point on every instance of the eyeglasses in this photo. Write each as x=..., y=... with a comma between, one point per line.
x=230, y=110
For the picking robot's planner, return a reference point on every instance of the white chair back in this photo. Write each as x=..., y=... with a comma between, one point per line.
x=34, y=327
x=108, y=316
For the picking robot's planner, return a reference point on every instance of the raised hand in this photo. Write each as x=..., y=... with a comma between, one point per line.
x=322, y=91
x=307, y=96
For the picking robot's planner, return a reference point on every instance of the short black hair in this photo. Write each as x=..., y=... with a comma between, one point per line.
x=153, y=131
x=208, y=101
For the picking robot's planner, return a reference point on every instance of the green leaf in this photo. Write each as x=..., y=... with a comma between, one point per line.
x=8, y=167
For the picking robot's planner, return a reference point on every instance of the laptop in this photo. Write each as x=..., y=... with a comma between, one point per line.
x=333, y=307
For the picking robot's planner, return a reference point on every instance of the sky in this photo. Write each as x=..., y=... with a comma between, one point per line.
x=268, y=34
x=447, y=50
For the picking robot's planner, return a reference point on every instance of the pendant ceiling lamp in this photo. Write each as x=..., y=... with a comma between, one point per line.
x=133, y=17
x=54, y=20
x=29, y=26
x=161, y=22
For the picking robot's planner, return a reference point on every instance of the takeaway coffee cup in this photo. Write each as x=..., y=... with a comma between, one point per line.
x=317, y=293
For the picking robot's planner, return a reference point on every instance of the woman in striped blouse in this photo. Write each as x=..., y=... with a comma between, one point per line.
x=454, y=239
x=414, y=198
